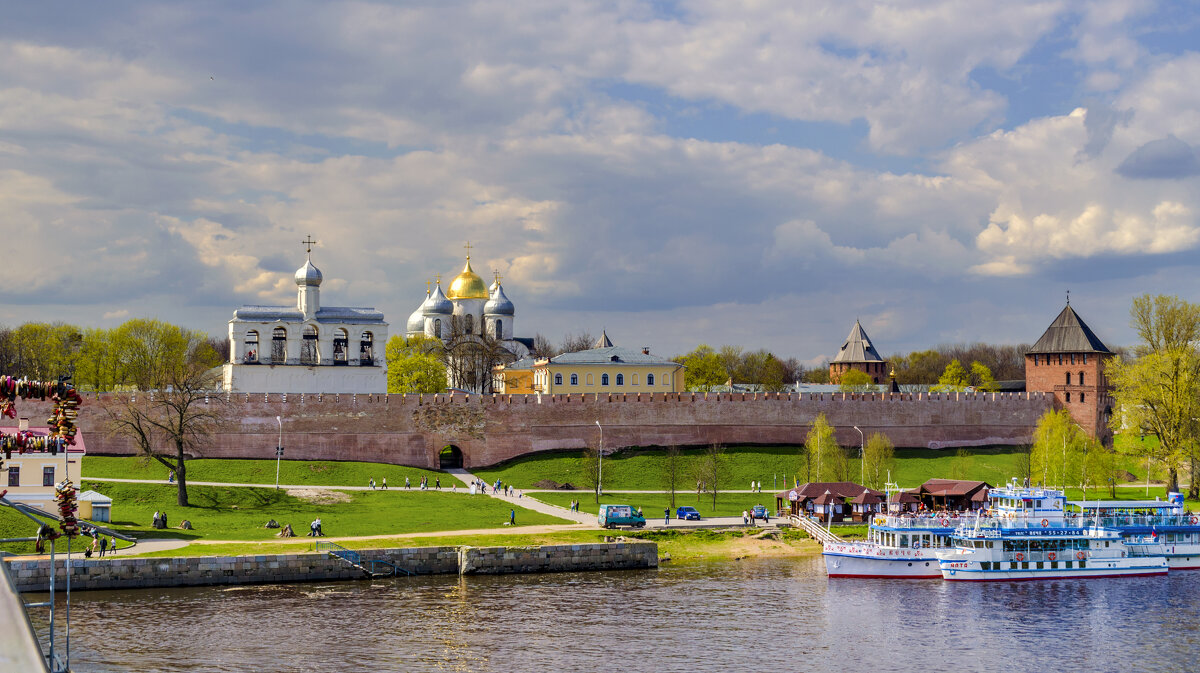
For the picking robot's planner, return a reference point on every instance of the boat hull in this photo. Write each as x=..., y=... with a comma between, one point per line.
x=971, y=572
x=868, y=561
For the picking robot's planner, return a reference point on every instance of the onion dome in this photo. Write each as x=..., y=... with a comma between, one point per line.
x=499, y=303
x=467, y=285
x=437, y=304
x=308, y=274
x=416, y=319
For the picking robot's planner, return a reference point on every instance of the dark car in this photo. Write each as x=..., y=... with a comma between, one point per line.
x=687, y=513
x=759, y=512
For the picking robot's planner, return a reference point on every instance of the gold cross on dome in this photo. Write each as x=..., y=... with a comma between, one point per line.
x=438, y=276
x=496, y=273
x=427, y=288
x=309, y=243
x=468, y=247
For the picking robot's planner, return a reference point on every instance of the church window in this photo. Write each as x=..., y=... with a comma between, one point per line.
x=620, y=379
x=1068, y=378
x=1081, y=378
x=437, y=328
x=469, y=324
x=341, y=347
x=251, y=350
x=366, y=350
x=590, y=380
x=649, y=379
x=604, y=379
x=499, y=331
x=558, y=379
x=279, y=346
x=308, y=347
x=574, y=379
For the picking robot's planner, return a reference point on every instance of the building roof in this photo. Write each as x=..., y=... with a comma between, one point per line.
x=608, y=355
x=953, y=487
x=603, y=341
x=523, y=363
x=1069, y=334
x=866, y=498
x=467, y=285
x=813, y=489
x=337, y=314
x=94, y=497
x=828, y=498
x=857, y=347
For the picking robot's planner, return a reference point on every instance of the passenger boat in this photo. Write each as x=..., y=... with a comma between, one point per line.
x=1029, y=534
x=1176, y=532
x=901, y=546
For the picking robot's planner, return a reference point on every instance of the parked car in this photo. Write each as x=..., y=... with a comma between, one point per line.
x=759, y=512
x=687, y=514
x=612, y=516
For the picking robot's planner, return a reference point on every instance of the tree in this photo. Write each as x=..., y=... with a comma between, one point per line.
x=573, y=343
x=99, y=367
x=824, y=458
x=672, y=470
x=590, y=466
x=818, y=374
x=731, y=359
x=175, y=421
x=1158, y=391
x=152, y=354
x=43, y=351
x=470, y=357
x=414, y=365
x=712, y=469
x=703, y=370
x=542, y=348
x=953, y=378
x=856, y=381
x=879, y=457
x=1059, y=450
x=981, y=378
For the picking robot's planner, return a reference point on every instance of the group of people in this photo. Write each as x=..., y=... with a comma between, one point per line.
x=574, y=505
x=160, y=521
x=99, y=545
x=314, y=528
x=424, y=483
x=755, y=486
x=383, y=486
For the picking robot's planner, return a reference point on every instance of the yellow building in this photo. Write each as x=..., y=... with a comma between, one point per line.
x=607, y=369
x=515, y=378
x=30, y=477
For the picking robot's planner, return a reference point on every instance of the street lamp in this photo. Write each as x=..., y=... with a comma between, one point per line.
x=600, y=468
x=278, y=450
x=862, y=450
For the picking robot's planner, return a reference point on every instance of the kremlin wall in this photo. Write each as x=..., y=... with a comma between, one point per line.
x=493, y=428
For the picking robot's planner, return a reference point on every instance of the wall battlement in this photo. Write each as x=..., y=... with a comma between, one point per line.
x=412, y=429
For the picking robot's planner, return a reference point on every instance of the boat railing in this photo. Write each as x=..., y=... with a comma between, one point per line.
x=947, y=520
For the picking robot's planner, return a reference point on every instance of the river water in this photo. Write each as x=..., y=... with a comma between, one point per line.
x=750, y=615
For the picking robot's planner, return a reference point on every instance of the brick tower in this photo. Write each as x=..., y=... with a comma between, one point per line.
x=858, y=353
x=1069, y=361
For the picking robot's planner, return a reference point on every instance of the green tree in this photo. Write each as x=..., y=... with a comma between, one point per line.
x=703, y=369
x=99, y=367
x=44, y=351
x=855, y=381
x=590, y=470
x=712, y=470
x=981, y=378
x=953, y=378
x=152, y=354
x=879, y=457
x=414, y=365
x=1158, y=391
x=672, y=470
x=1059, y=450
x=825, y=460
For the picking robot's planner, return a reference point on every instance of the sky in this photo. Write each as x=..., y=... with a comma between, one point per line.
x=755, y=173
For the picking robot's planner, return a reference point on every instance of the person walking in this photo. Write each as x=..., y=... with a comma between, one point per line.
x=385, y=483
x=406, y=482
x=512, y=517
x=667, y=516
x=745, y=517
x=371, y=483
x=103, y=545
x=437, y=483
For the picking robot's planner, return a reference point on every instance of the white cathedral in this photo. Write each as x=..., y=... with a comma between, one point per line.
x=470, y=312
x=309, y=348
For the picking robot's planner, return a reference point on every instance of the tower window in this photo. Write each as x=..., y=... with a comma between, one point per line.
x=366, y=349
x=251, y=349
x=1080, y=379
x=1068, y=378
x=279, y=345
x=1068, y=398
x=308, y=347
x=469, y=324
x=1072, y=358
x=1085, y=358
x=1081, y=398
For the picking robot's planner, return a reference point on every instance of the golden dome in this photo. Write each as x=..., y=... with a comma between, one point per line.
x=467, y=285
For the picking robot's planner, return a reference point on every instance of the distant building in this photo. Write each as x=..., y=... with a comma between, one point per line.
x=607, y=369
x=1069, y=361
x=30, y=476
x=857, y=353
x=308, y=348
x=833, y=500
x=953, y=494
x=515, y=378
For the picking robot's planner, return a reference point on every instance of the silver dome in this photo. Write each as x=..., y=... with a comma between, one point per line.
x=416, y=320
x=499, y=304
x=437, y=304
x=308, y=274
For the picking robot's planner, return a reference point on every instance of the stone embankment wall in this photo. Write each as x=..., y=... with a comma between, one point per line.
x=134, y=573
x=493, y=428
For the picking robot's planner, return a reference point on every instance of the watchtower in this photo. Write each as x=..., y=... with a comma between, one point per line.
x=1069, y=361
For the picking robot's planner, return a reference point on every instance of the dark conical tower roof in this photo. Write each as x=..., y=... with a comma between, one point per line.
x=858, y=347
x=1069, y=334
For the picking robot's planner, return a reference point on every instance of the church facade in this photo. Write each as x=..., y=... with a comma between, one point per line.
x=308, y=348
x=475, y=323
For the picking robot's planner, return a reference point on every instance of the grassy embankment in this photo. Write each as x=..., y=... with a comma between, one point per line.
x=291, y=472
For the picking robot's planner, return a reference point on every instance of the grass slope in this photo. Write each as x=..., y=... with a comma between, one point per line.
x=231, y=471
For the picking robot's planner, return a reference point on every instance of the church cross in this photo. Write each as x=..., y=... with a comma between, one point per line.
x=427, y=288
x=468, y=247
x=496, y=273
x=309, y=243
x=438, y=276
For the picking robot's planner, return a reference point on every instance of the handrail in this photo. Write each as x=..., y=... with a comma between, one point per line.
x=815, y=529
x=355, y=559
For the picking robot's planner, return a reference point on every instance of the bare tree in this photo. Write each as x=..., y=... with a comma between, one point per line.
x=672, y=470
x=542, y=348
x=573, y=343
x=712, y=470
x=471, y=357
x=589, y=469
x=171, y=424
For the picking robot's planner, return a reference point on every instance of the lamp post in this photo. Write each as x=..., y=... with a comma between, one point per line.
x=600, y=467
x=862, y=450
x=278, y=450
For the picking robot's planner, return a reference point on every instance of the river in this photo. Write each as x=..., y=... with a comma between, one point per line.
x=750, y=615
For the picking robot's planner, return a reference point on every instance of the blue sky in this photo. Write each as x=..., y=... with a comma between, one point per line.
x=758, y=173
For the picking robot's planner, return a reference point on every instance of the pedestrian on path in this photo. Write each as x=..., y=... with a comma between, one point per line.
x=666, y=516
x=745, y=517
x=437, y=483
x=371, y=483
x=512, y=517
x=385, y=483
x=103, y=545
x=407, y=484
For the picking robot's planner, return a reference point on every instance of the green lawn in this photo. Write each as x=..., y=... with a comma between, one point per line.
x=234, y=471
x=14, y=524
x=652, y=504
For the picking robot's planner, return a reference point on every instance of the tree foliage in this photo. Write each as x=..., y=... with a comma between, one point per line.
x=1064, y=455
x=856, y=381
x=1005, y=362
x=1158, y=390
x=879, y=457
x=672, y=471
x=703, y=369
x=708, y=368
x=415, y=365
x=712, y=469
x=824, y=459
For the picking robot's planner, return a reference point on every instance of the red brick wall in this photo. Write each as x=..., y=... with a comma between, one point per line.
x=878, y=371
x=381, y=428
x=1051, y=377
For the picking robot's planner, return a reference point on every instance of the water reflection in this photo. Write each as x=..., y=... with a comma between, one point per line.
x=749, y=615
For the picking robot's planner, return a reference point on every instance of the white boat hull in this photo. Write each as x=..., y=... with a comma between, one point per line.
x=872, y=561
x=968, y=571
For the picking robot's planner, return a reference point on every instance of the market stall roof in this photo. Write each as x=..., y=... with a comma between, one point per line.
x=952, y=487
x=813, y=489
x=828, y=498
x=866, y=498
